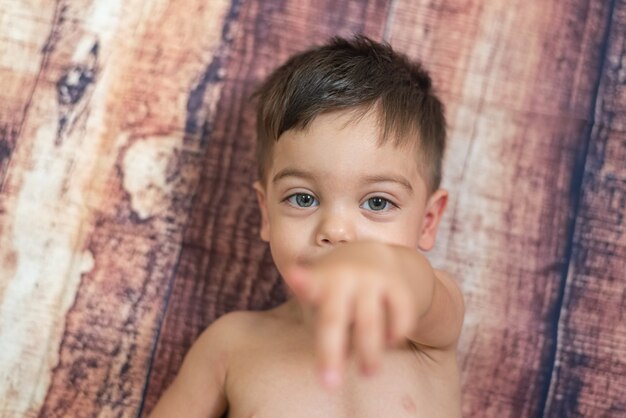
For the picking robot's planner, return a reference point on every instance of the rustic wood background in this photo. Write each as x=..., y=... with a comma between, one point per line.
x=128, y=223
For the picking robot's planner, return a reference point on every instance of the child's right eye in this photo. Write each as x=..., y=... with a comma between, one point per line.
x=302, y=200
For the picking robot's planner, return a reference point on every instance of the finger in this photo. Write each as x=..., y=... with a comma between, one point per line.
x=368, y=329
x=332, y=332
x=400, y=316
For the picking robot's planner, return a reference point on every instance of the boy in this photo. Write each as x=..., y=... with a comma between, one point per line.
x=351, y=139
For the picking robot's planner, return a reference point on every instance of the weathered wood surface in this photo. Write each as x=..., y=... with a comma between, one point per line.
x=589, y=378
x=520, y=82
x=127, y=221
x=222, y=265
x=95, y=200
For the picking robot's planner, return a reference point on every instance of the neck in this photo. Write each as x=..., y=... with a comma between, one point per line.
x=302, y=314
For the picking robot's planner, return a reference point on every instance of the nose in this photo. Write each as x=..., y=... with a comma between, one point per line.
x=335, y=228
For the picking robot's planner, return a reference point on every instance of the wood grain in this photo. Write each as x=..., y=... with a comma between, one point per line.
x=223, y=264
x=590, y=361
x=21, y=60
x=516, y=79
x=150, y=183
x=99, y=167
x=128, y=223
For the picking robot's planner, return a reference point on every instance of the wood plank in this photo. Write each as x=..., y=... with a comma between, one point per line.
x=24, y=33
x=40, y=252
x=95, y=201
x=590, y=365
x=127, y=221
x=223, y=265
x=518, y=78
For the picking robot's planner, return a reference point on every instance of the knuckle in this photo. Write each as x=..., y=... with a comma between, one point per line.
x=366, y=321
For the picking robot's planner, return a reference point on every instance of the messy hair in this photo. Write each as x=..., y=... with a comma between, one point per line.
x=354, y=74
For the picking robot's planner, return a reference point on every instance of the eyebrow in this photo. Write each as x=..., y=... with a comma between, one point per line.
x=390, y=178
x=375, y=178
x=293, y=172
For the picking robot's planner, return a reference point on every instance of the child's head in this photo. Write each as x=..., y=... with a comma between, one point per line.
x=351, y=139
x=359, y=75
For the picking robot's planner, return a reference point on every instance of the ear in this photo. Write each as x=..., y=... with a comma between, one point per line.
x=434, y=211
x=265, y=223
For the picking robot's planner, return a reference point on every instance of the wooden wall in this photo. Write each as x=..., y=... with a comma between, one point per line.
x=128, y=223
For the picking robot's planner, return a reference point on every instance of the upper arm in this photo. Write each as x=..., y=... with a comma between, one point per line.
x=198, y=389
x=441, y=326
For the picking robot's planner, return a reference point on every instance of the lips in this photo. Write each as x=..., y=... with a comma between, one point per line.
x=304, y=263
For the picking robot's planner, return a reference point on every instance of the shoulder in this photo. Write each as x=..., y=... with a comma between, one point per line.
x=232, y=323
x=199, y=387
x=237, y=330
x=228, y=331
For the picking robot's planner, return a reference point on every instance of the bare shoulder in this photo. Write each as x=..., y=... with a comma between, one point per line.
x=226, y=335
x=229, y=330
x=234, y=333
x=199, y=387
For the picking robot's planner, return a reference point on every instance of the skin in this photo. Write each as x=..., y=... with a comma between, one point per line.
x=344, y=217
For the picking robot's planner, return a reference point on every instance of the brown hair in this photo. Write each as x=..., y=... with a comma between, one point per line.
x=354, y=74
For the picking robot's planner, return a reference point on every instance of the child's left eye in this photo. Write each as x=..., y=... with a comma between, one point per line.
x=377, y=204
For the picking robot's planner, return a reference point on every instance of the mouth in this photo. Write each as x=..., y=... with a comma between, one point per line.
x=309, y=261
x=304, y=263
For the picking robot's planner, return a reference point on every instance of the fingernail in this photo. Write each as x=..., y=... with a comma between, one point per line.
x=331, y=378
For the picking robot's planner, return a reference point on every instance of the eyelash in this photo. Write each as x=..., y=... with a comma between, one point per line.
x=291, y=200
x=389, y=205
x=294, y=196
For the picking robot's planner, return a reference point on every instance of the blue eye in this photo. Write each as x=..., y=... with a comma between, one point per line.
x=377, y=204
x=302, y=200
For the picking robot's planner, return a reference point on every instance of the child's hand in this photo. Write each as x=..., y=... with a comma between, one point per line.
x=364, y=298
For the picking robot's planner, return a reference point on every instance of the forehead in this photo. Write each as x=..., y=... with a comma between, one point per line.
x=344, y=144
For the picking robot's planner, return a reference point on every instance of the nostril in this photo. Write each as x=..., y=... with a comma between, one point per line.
x=332, y=242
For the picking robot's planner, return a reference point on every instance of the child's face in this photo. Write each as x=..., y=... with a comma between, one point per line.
x=332, y=183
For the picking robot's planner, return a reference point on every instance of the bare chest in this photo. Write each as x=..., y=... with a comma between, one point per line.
x=284, y=382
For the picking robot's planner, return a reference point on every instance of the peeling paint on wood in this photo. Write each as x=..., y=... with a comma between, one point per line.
x=128, y=223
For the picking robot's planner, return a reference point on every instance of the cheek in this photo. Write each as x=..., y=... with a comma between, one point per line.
x=288, y=242
x=404, y=231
